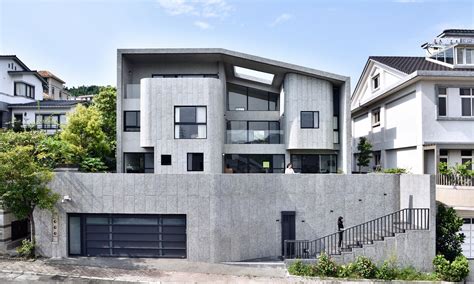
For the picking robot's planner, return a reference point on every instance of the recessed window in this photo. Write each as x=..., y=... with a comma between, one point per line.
x=253, y=132
x=190, y=122
x=310, y=119
x=132, y=121
x=376, y=82
x=467, y=101
x=442, y=100
x=139, y=163
x=240, y=98
x=314, y=163
x=195, y=162
x=166, y=160
x=253, y=75
x=376, y=118
x=24, y=90
x=254, y=163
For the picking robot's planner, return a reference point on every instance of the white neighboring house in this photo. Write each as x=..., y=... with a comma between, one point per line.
x=418, y=111
x=22, y=99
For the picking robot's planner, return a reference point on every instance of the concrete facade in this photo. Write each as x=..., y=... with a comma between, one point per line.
x=300, y=89
x=237, y=217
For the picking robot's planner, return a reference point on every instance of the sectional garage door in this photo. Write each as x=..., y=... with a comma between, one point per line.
x=127, y=235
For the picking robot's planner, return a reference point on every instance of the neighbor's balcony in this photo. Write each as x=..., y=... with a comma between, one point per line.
x=132, y=91
x=454, y=181
x=254, y=137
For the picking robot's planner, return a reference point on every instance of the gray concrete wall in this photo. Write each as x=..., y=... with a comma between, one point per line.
x=229, y=217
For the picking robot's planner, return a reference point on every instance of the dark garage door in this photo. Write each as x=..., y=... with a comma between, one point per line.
x=127, y=235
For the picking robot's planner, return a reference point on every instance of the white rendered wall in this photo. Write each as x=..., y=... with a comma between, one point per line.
x=7, y=83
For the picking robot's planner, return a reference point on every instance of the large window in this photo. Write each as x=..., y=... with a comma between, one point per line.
x=139, y=163
x=253, y=132
x=310, y=119
x=254, y=163
x=131, y=121
x=24, y=90
x=467, y=101
x=195, y=162
x=242, y=98
x=190, y=122
x=314, y=163
x=442, y=99
x=465, y=56
x=50, y=121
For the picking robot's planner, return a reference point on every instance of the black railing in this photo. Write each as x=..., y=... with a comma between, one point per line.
x=359, y=235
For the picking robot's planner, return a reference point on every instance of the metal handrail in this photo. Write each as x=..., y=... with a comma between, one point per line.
x=359, y=235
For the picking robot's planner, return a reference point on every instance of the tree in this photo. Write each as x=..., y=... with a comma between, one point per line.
x=24, y=184
x=365, y=153
x=105, y=102
x=448, y=238
x=84, y=132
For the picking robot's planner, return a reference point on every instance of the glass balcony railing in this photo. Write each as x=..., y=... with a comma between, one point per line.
x=254, y=137
x=132, y=91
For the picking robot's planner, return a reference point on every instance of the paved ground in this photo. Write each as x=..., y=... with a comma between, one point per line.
x=125, y=270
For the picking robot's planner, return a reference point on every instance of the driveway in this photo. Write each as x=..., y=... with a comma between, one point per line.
x=136, y=270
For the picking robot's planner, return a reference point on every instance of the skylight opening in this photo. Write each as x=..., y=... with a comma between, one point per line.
x=253, y=75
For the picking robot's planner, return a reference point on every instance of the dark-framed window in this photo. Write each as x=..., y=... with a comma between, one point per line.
x=241, y=98
x=310, y=119
x=50, y=121
x=467, y=101
x=139, y=163
x=166, y=160
x=314, y=163
x=131, y=121
x=195, y=162
x=254, y=163
x=376, y=82
x=190, y=122
x=253, y=132
x=442, y=101
x=376, y=118
x=24, y=90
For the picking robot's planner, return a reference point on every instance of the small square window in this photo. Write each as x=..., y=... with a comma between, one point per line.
x=465, y=153
x=195, y=162
x=309, y=119
x=443, y=152
x=166, y=160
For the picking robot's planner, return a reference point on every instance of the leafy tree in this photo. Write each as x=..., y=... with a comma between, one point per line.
x=105, y=102
x=83, y=90
x=448, y=238
x=365, y=153
x=84, y=132
x=24, y=184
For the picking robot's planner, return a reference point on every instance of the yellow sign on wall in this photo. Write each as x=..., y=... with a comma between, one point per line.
x=266, y=164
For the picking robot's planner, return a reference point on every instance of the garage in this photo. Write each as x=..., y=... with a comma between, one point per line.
x=127, y=235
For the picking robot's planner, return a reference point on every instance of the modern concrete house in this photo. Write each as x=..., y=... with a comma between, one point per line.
x=221, y=111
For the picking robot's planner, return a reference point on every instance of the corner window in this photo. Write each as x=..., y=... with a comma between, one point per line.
x=190, y=122
x=376, y=82
x=131, y=121
x=195, y=162
x=442, y=100
x=467, y=101
x=24, y=90
x=139, y=163
x=376, y=118
x=166, y=160
x=310, y=119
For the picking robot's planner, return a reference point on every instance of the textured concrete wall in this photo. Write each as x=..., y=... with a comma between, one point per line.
x=229, y=217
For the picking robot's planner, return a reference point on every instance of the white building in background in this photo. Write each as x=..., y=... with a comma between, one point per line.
x=418, y=111
x=55, y=89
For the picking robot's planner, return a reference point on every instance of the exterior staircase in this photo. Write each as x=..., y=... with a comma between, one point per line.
x=356, y=237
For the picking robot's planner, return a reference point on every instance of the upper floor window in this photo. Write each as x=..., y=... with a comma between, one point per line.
x=24, y=90
x=442, y=99
x=310, y=119
x=467, y=101
x=131, y=121
x=190, y=122
x=376, y=82
x=446, y=56
x=253, y=132
x=465, y=55
x=376, y=118
x=243, y=98
x=52, y=90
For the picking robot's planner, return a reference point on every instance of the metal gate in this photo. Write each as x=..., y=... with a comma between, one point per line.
x=128, y=235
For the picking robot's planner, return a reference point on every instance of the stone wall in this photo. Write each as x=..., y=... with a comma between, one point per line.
x=234, y=217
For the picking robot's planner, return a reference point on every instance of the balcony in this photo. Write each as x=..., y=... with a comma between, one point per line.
x=254, y=137
x=454, y=182
x=132, y=91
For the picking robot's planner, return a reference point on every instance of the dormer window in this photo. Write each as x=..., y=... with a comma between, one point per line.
x=465, y=56
x=375, y=82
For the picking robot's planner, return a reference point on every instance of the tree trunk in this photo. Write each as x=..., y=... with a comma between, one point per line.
x=32, y=227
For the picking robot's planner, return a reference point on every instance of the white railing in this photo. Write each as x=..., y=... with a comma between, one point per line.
x=455, y=180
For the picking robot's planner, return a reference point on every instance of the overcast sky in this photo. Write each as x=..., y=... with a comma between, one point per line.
x=77, y=40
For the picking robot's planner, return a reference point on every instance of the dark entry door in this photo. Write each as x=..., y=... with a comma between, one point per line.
x=287, y=230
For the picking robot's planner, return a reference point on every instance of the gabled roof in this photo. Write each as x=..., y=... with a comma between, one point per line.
x=410, y=64
x=17, y=60
x=48, y=104
x=46, y=74
x=23, y=65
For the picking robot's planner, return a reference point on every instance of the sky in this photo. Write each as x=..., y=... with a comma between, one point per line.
x=77, y=39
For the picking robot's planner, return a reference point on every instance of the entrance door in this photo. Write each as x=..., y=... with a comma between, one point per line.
x=287, y=230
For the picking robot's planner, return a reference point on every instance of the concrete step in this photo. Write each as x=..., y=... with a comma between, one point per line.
x=256, y=264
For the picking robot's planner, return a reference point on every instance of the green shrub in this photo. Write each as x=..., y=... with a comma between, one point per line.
x=325, y=266
x=388, y=271
x=93, y=165
x=448, y=238
x=454, y=271
x=27, y=249
x=346, y=271
x=365, y=268
x=301, y=269
x=395, y=171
